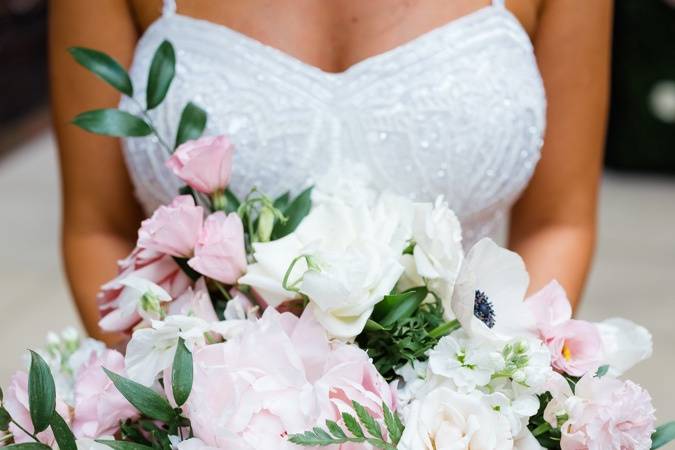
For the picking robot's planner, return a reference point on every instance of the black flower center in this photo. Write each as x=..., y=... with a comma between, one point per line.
x=482, y=308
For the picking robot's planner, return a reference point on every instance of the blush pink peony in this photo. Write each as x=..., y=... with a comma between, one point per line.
x=608, y=414
x=173, y=229
x=219, y=251
x=575, y=345
x=99, y=406
x=150, y=265
x=280, y=376
x=16, y=403
x=205, y=164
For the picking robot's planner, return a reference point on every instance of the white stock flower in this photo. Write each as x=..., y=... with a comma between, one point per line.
x=624, y=344
x=438, y=251
x=138, y=296
x=151, y=350
x=448, y=420
x=489, y=293
x=467, y=363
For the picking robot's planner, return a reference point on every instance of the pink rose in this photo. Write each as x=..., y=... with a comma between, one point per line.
x=608, y=414
x=219, y=252
x=99, y=406
x=280, y=376
x=173, y=229
x=205, y=164
x=150, y=265
x=16, y=404
x=575, y=345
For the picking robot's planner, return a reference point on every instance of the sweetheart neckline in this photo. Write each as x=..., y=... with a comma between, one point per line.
x=357, y=66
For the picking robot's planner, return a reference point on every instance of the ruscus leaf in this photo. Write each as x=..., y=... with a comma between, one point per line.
x=104, y=67
x=143, y=398
x=41, y=393
x=192, y=124
x=663, y=435
x=112, y=122
x=181, y=373
x=162, y=70
x=64, y=436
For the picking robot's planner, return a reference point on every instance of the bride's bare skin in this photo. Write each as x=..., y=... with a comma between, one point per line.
x=553, y=224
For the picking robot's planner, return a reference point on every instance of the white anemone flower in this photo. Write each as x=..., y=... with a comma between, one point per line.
x=489, y=293
x=624, y=344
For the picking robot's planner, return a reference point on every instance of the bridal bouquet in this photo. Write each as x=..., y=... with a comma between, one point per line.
x=342, y=317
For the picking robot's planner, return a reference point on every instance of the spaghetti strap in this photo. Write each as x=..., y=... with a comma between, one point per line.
x=169, y=7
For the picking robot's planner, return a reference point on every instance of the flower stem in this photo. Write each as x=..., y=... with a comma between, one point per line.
x=541, y=429
x=24, y=430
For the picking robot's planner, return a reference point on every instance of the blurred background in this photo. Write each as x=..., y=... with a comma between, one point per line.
x=634, y=271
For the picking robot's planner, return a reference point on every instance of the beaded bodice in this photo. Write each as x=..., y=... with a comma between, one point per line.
x=458, y=111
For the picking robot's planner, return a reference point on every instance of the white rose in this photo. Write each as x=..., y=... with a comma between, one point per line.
x=346, y=182
x=448, y=420
x=438, y=251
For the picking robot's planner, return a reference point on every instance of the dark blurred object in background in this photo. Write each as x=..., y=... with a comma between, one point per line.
x=642, y=118
x=23, y=39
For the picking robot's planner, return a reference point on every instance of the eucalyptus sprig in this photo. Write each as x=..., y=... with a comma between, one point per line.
x=360, y=429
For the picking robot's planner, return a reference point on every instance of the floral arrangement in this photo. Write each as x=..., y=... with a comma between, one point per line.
x=342, y=317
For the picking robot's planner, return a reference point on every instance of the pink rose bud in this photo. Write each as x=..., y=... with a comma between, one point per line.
x=220, y=252
x=173, y=229
x=205, y=164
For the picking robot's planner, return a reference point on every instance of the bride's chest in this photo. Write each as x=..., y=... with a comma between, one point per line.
x=457, y=112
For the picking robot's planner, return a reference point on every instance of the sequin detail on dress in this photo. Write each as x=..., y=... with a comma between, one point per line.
x=458, y=111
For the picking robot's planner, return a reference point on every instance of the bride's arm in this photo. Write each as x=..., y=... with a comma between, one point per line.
x=100, y=215
x=554, y=222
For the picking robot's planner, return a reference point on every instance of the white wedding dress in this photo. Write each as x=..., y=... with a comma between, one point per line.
x=458, y=111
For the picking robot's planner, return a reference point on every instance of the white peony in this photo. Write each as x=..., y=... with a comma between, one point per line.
x=347, y=258
x=467, y=363
x=438, y=251
x=624, y=344
x=489, y=293
x=448, y=420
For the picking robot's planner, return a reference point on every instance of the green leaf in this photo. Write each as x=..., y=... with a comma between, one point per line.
x=112, y=122
x=367, y=420
x=123, y=445
x=64, y=437
x=295, y=212
x=143, y=398
x=281, y=202
x=393, y=428
x=1, y=395
x=5, y=419
x=162, y=70
x=41, y=393
x=335, y=429
x=28, y=446
x=402, y=306
x=371, y=325
x=181, y=373
x=104, y=67
x=192, y=124
x=233, y=202
x=663, y=435
x=602, y=371
x=352, y=425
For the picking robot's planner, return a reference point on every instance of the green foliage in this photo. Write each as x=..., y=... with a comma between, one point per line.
x=192, y=124
x=41, y=393
x=160, y=76
x=294, y=212
x=354, y=432
x=548, y=436
x=64, y=437
x=181, y=373
x=602, y=371
x=663, y=435
x=123, y=445
x=5, y=419
x=104, y=67
x=406, y=340
x=143, y=398
x=28, y=446
x=112, y=122
x=394, y=308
